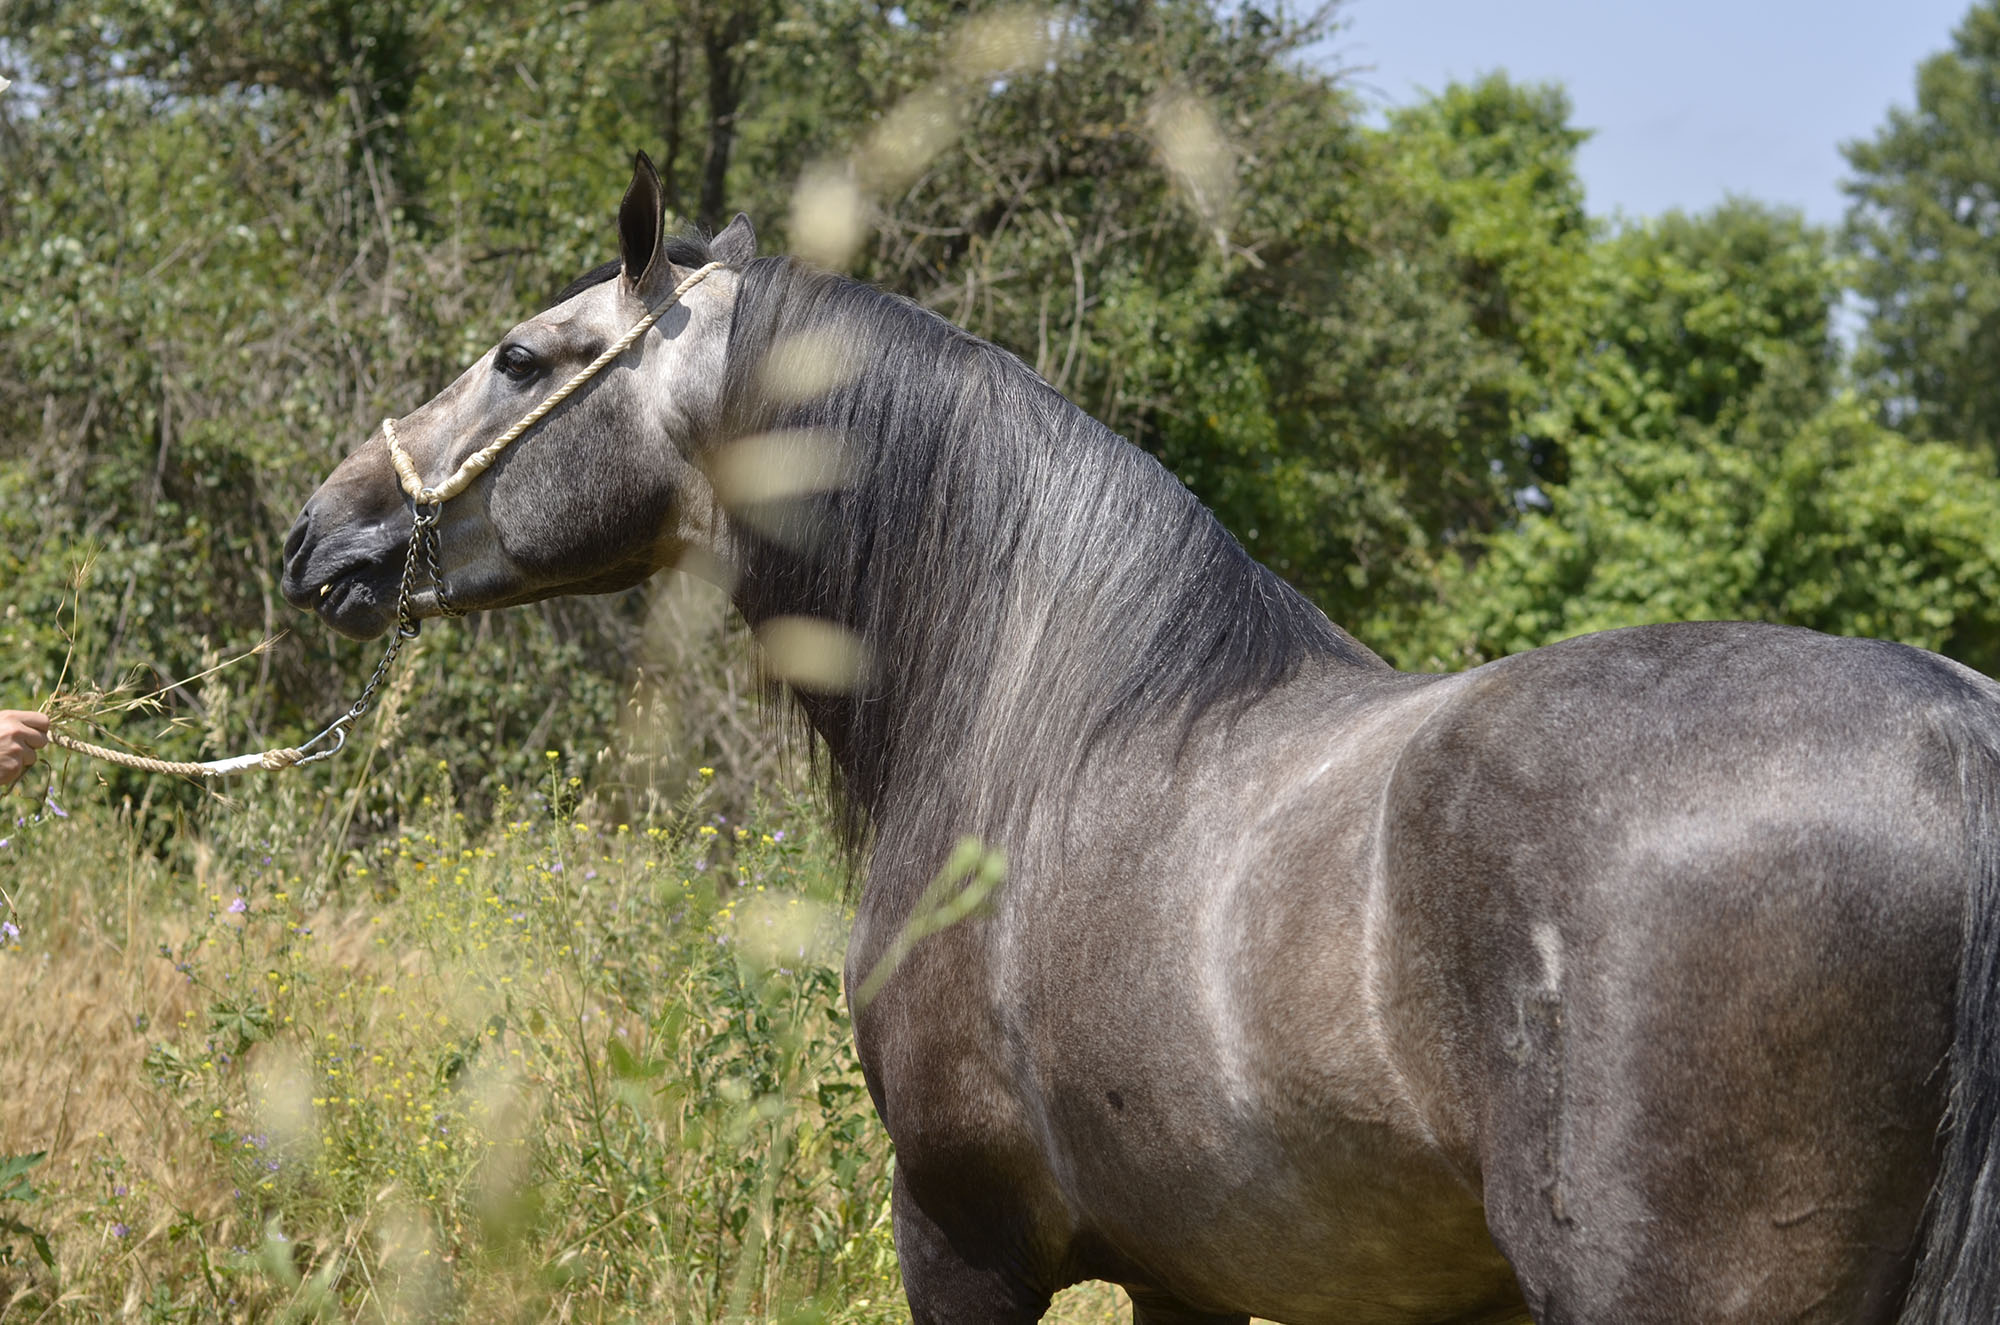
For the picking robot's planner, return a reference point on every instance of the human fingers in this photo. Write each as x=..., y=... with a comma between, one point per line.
x=27, y=729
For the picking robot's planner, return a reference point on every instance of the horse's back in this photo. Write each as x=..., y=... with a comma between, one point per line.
x=1676, y=916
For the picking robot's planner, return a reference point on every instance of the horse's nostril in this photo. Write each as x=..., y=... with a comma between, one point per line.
x=297, y=559
x=295, y=540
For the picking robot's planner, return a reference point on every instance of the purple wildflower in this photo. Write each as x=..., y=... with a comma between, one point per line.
x=119, y=1230
x=238, y=907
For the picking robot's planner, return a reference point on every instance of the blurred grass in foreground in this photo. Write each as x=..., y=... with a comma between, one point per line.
x=542, y=1066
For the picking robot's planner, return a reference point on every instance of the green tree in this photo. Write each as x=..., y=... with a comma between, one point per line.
x=1716, y=470
x=1924, y=222
x=204, y=301
x=1493, y=165
x=1329, y=332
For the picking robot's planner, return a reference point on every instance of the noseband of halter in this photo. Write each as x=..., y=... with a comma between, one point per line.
x=481, y=460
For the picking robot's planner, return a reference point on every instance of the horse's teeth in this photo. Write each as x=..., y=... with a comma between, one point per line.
x=325, y=589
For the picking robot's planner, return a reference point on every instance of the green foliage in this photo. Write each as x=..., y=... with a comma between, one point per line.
x=1846, y=528
x=1713, y=469
x=1706, y=322
x=198, y=321
x=16, y=1188
x=1492, y=165
x=1925, y=227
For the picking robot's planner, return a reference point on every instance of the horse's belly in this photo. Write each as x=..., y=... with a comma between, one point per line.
x=1343, y=1224
x=1287, y=1209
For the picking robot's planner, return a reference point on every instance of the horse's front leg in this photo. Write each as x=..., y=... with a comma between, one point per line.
x=979, y=1277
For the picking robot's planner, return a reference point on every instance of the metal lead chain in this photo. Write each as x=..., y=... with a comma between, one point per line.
x=423, y=540
x=425, y=534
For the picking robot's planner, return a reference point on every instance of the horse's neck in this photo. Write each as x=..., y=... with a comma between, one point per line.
x=1021, y=579
x=980, y=704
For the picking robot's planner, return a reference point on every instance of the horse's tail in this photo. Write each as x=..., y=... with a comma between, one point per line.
x=1958, y=1272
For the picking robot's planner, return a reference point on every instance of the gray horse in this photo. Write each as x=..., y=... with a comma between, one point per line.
x=1650, y=976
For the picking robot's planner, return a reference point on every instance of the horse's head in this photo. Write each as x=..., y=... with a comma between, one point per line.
x=598, y=495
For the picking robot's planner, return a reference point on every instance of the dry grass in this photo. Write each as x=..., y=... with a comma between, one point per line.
x=546, y=1068
x=130, y=1170
x=541, y=1067
x=118, y=1152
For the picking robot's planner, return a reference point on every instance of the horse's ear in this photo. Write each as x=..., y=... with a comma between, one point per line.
x=640, y=217
x=737, y=243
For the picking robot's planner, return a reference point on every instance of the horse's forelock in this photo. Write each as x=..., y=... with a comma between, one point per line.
x=689, y=249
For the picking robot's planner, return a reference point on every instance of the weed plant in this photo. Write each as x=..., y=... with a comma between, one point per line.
x=470, y=1073
x=541, y=1065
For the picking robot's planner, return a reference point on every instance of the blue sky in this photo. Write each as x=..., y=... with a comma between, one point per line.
x=1690, y=101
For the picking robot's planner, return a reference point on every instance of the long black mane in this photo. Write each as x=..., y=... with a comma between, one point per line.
x=1026, y=583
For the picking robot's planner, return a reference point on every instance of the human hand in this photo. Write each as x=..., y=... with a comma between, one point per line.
x=21, y=734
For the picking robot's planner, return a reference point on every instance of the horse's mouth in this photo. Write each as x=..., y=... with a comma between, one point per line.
x=357, y=599
x=344, y=572
x=354, y=606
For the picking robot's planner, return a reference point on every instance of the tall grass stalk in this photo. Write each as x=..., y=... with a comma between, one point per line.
x=494, y=1071
x=544, y=1065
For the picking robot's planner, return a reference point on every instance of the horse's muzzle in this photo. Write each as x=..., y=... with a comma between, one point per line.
x=346, y=574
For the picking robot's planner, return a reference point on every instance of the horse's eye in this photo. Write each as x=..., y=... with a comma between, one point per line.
x=518, y=362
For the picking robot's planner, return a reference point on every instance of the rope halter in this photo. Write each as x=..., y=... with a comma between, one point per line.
x=481, y=460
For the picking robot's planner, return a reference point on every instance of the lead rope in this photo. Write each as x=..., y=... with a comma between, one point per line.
x=423, y=540
x=426, y=508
